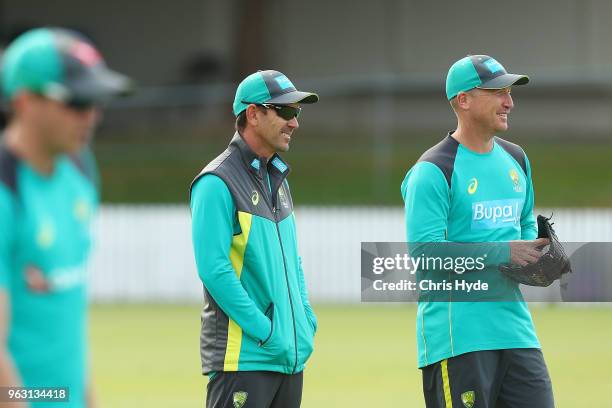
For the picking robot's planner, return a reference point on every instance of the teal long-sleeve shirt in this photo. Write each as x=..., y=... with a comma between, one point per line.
x=456, y=195
x=45, y=226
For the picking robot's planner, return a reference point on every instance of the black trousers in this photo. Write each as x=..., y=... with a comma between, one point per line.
x=254, y=389
x=512, y=378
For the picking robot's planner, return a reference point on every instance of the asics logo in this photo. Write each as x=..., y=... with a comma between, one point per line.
x=473, y=186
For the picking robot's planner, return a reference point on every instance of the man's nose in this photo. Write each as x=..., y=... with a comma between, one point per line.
x=508, y=102
x=293, y=123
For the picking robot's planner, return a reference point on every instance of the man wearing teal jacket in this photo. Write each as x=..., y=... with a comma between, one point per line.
x=54, y=80
x=257, y=323
x=476, y=187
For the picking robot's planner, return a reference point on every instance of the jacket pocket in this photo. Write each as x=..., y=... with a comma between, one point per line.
x=275, y=343
x=307, y=327
x=269, y=313
x=313, y=322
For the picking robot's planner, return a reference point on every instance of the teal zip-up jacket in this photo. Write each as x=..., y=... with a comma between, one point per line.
x=256, y=313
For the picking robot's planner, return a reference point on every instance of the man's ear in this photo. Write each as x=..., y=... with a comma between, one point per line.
x=252, y=115
x=21, y=102
x=462, y=101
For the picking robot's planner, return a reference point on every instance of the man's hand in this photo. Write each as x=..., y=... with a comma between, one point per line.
x=526, y=252
x=35, y=279
x=529, y=266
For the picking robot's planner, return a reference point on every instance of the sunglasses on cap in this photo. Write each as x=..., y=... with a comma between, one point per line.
x=284, y=111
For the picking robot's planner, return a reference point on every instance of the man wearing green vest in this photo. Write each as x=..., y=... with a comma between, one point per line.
x=257, y=323
x=53, y=80
x=476, y=187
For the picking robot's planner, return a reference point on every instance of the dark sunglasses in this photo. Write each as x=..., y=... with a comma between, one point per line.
x=74, y=104
x=79, y=105
x=284, y=111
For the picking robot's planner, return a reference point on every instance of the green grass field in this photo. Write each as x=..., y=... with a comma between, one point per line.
x=148, y=356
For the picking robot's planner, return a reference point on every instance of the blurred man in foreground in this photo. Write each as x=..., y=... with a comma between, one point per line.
x=257, y=323
x=53, y=80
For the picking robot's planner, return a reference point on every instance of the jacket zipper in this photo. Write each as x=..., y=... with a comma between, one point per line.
x=280, y=241
x=275, y=210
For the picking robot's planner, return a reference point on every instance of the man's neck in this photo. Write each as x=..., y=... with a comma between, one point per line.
x=255, y=143
x=474, y=138
x=24, y=143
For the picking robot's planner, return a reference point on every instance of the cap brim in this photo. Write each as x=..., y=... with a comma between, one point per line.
x=504, y=81
x=295, y=97
x=100, y=86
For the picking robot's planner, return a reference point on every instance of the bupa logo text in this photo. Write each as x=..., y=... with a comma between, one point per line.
x=496, y=214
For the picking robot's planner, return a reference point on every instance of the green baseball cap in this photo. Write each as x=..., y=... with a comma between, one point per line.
x=479, y=71
x=62, y=65
x=269, y=87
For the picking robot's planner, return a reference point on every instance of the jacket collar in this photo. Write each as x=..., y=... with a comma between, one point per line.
x=258, y=165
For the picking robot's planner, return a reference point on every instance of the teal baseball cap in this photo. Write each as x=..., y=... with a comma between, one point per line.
x=59, y=64
x=479, y=71
x=269, y=87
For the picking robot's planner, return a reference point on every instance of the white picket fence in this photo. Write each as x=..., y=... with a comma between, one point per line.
x=144, y=253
